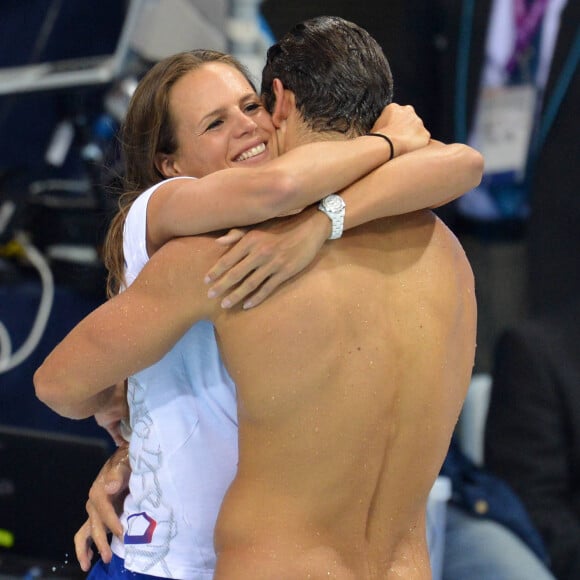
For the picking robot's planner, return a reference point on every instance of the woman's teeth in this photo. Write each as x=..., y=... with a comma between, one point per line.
x=252, y=152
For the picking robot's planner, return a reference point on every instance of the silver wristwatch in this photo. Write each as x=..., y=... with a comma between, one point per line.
x=334, y=207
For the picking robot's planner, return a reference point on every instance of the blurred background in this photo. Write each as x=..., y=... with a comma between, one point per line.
x=67, y=70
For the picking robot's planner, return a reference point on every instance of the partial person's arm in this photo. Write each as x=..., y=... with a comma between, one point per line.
x=103, y=506
x=115, y=413
x=129, y=332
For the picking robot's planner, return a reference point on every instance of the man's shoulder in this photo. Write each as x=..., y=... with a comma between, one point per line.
x=192, y=249
x=183, y=262
x=427, y=255
x=422, y=228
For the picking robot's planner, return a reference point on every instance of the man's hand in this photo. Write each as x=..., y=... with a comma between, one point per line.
x=115, y=415
x=267, y=256
x=404, y=127
x=103, y=506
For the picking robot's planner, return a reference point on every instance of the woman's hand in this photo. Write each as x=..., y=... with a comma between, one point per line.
x=266, y=256
x=404, y=127
x=103, y=506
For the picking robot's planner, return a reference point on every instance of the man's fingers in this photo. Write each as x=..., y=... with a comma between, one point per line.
x=103, y=517
x=117, y=471
x=107, y=490
x=105, y=495
x=98, y=531
x=83, y=542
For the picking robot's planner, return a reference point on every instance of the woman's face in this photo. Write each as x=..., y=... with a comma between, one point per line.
x=220, y=122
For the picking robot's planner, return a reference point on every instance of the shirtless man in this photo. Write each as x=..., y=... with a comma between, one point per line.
x=349, y=380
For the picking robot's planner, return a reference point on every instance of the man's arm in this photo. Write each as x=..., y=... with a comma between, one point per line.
x=114, y=414
x=129, y=332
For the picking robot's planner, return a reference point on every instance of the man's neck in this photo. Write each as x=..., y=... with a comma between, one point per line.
x=295, y=132
x=306, y=135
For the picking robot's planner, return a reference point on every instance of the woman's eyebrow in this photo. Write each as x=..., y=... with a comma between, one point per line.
x=221, y=110
x=215, y=113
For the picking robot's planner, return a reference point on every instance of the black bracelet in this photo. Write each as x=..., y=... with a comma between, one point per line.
x=387, y=140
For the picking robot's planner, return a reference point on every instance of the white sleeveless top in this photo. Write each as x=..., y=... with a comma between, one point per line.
x=183, y=448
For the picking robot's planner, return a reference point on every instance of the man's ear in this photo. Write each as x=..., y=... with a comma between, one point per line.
x=284, y=103
x=166, y=165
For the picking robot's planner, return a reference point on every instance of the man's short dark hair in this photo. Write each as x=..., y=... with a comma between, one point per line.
x=337, y=71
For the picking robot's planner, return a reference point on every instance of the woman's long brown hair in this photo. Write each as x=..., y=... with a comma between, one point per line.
x=148, y=130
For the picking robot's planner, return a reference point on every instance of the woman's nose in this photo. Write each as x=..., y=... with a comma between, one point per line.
x=245, y=123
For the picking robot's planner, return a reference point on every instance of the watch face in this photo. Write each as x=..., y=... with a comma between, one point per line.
x=334, y=203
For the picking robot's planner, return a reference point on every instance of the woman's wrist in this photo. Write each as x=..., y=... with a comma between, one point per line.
x=388, y=140
x=322, y=224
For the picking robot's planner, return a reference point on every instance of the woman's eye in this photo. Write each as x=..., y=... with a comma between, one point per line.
x=214, y=124
x=253, y=106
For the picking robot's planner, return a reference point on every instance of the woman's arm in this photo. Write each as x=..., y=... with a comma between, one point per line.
x=426, y=178
x=239, y=196
x=268, y=256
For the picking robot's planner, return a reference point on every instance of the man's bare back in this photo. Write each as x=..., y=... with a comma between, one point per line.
x=350, y=381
